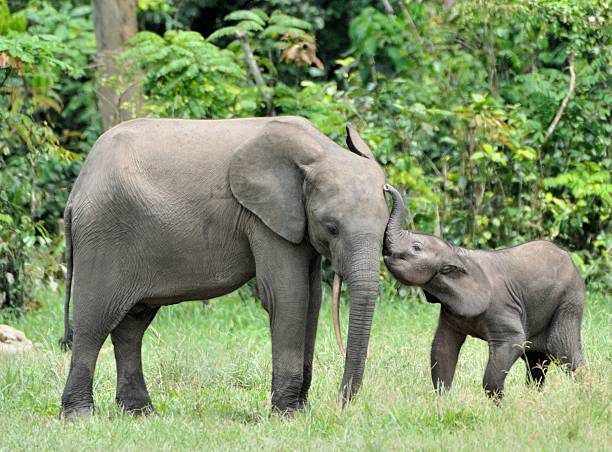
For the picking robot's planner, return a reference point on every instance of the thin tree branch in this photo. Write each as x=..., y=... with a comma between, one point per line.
x=448, y=6
x=388, y=7
x=254, y=69
x=570, y=92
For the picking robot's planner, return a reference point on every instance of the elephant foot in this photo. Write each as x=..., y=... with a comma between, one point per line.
x=287, y=412
x=144, y=408
x=302, y=405
x=495, y=396
x=75, y=413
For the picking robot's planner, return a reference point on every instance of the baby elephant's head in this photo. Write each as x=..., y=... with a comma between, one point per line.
x=415, y=258
x=446, y=273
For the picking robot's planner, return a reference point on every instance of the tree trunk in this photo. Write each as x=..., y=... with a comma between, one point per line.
x=115, y=22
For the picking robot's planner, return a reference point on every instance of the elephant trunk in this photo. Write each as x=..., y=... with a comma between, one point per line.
x=394, y=226
x=363, y=283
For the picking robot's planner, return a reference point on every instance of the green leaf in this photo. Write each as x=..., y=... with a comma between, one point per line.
x=283, y=20
x=247, y=15
x=278, y=30
x=487, y=148
x=223, y=32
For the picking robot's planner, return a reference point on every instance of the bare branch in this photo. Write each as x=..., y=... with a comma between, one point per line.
x=254, y=69
x=388, y=7
x=563, y=106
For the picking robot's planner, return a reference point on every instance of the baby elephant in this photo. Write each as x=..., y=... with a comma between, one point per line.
x=524, y=301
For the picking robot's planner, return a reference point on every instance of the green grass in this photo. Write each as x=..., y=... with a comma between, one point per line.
x=208, y=369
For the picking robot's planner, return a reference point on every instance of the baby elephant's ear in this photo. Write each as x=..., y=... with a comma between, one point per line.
x=466, y=292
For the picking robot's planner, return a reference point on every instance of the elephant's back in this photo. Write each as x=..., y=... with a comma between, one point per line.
x=545, y=278
x=543, y=263
x=158, y=178
x=164, y=148
x=172, y=154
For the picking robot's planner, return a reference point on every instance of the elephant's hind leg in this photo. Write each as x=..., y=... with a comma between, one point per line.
x=91, y=329
x=537, y=366
x=564, y=337
x=132, y=394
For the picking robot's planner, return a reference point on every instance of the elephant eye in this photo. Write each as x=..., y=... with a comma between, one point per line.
x=445, y=270
x=417, y=247
x=332, y=229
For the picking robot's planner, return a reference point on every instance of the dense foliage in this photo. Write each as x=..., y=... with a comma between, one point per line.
x=493, y=117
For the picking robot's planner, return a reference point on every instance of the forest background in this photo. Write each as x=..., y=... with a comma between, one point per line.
x=493, y=117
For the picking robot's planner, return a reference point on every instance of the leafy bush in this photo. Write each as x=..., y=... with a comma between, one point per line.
x=187, y=77
x=32, y=157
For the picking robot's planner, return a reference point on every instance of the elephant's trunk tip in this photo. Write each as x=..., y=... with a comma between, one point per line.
x=394, y=225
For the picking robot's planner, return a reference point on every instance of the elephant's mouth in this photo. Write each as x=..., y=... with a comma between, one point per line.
x=390, y=260
x=394, y=264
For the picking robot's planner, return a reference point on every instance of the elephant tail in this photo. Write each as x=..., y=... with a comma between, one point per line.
x=66, y=341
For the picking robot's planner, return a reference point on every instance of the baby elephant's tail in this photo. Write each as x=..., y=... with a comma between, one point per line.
x=66, y=341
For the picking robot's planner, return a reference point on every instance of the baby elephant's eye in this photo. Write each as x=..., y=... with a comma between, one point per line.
x=417, y=247
x=332, y=228
x=445, y=270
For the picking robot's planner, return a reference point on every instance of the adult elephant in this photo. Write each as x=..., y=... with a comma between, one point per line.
x=170, y=210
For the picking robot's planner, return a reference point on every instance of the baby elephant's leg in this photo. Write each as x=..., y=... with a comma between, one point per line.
x=537, y=366
x=564, y=337
x=444, y=353
x=502, y=355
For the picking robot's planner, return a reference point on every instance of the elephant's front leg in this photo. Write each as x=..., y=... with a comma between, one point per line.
x=283, y=281
x=445, y=349
x=502, y=355
x=312, y=319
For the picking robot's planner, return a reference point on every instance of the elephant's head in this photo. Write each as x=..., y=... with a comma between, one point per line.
x=447, y=274
x=305, y=187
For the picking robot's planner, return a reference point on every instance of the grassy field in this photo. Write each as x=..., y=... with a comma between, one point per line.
x=208, y=370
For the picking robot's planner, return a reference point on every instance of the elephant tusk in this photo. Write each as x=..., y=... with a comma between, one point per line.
x=336, y=312
x=336, y=289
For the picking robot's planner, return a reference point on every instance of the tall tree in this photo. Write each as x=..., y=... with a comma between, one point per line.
x=115, y=22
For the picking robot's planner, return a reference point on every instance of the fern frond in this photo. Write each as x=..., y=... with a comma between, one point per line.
x=277, y=30
x=223, y=32
x=261, y=13
x=146, y=37
x=245, y=14
x=249, y=25
x=189, y=74
x=174, y=66
x=284, y=20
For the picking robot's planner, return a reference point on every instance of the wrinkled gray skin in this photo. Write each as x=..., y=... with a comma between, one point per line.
x=525, y=301
x=165, y=211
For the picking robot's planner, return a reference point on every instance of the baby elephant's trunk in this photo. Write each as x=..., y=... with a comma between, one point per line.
x=394, y=226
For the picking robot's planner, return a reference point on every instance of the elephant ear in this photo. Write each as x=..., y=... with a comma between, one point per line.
x=356, y=144
x=266, y=176
x=466, y=292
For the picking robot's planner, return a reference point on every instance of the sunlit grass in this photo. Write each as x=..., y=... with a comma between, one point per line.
x=208, y=369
